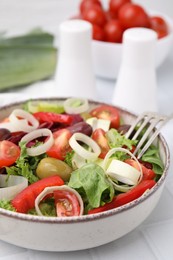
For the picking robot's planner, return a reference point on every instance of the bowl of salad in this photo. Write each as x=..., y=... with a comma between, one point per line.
x=109, y=23
x=69, y=178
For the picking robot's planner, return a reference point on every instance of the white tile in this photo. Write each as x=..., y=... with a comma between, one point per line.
x=159, y=237
x=129, y=247
x=8, y=249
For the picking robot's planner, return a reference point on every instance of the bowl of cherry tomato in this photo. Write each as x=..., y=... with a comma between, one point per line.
x=109, y=25
x=69, y=178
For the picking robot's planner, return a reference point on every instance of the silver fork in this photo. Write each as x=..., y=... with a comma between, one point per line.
x=155, y=121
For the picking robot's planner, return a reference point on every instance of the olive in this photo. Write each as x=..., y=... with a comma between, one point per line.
x=52, y=166
x=4, y=134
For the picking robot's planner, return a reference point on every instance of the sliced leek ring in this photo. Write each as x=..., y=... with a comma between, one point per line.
x=42, y=148
x=49, y=190
x=23, y=124
x=71, y=107
x=80, y=150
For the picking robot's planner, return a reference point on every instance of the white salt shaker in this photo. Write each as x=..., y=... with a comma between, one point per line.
x=136, y=86
x=74, y=75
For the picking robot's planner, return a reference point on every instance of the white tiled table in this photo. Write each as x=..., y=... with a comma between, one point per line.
x=151, y=240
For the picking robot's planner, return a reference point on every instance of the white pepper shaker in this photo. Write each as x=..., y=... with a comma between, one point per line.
x=136, y=86
x=75, y=75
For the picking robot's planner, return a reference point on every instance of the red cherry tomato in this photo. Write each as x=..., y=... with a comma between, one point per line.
x=67, y=203
x=113, y=31
x=97, y=33
x=9, y=153
x=95, y=15
x=110, y=15
x=108, y=113
x=125, y=198
x=132, y=15
x=99, y=137
x=159, y=25
x=114, y=5
x=87, y=4
x=61, y=144
x=148, y=174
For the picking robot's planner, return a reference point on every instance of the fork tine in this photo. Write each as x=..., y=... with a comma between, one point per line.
x=155, y=134
x=145, y=136
x=131, y=129
x=144, y=123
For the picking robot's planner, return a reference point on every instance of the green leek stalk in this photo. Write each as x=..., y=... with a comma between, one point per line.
x=26, y=59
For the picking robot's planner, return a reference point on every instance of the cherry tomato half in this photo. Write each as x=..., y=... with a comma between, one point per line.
x=114, y=5
x=9, y=153
x=87, y=4
x=67, y=203
x=95, y=15
x=159, y=25
x=108, y=113
x=148, y=174
x=99, y=137
x=132, y=15
x=113, y=31
x=61, y=144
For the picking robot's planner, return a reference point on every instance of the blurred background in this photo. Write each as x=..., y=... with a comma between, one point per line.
x=17, y=16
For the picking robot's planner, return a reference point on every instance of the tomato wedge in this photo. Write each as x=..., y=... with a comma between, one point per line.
x=67, y=203
x=61, y=144
x=108, y=113
x=148, y=174
x=99, y=137
x=9, y=153
x=25, y=200
x=125, y=198
x=53, y=117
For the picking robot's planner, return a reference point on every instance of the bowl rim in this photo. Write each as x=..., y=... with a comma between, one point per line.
x=92, y=217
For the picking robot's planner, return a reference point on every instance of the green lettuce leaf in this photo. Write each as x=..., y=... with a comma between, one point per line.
x=5, y=204
x=47, y=208
x=152, y=156
x=93, y=186
x=115, y=140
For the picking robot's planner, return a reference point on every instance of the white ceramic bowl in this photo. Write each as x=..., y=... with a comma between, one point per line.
x=107, y=56
x=76, y=233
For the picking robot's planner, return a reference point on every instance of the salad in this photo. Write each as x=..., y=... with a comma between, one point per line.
x=71, y=158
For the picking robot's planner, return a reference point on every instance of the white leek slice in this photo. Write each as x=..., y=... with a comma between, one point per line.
x=42, y=148
x=80, y=150
x=113, y=179
x=99, y=123
x=51, y=189
x=123, y=172
x=23, y=124
x=76, y=105
x=11, y=186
